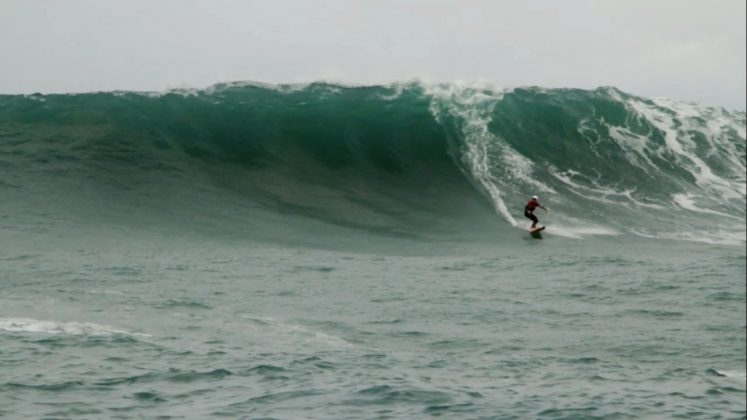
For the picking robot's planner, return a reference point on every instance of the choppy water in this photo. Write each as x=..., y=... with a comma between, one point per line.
x=337, y=252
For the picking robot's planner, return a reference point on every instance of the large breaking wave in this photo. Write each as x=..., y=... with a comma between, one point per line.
x=397, y=159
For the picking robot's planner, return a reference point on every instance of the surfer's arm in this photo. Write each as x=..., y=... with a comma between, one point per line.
x=543, y=208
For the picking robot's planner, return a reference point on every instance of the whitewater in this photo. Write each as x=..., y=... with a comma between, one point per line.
x=335, y=251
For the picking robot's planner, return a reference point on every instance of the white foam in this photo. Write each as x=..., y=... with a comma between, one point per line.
x=718, y=237
x=280, y=330
x=398, y=88
x=57, y=327
x=492, y=163
x=35, y=97
x=686, y=201
x=584, y=128
x=677, y=121
x=598, y=192
x=580, y=232
x=570, y=227
x=314, y=336
x=733, y=374
x=635, y=147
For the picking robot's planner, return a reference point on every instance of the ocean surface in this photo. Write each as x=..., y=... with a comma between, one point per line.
x=330, y=251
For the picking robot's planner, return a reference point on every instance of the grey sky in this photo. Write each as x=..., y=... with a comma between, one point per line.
x=683, y=49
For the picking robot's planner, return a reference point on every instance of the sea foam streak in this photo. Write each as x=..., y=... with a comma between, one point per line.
x=30, y=325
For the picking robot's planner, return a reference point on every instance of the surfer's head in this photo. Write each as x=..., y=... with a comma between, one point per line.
x=534, y=197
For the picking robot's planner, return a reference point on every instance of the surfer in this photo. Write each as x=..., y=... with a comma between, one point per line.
x=529, y=210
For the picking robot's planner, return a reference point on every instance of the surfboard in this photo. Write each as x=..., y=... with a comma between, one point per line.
x=535, y=232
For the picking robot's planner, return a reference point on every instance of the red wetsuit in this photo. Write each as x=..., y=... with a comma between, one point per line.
x=529, y=211
x=531, y=205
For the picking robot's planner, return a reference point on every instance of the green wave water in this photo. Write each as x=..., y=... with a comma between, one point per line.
x=328, y=251
x=389, y=158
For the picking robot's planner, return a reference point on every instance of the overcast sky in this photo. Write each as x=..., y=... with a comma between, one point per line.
x=690, y=50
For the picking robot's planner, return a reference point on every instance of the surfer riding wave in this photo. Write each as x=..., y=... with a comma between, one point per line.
x=529, y=210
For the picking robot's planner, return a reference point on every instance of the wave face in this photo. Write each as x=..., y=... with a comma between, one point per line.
x=400, y=159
